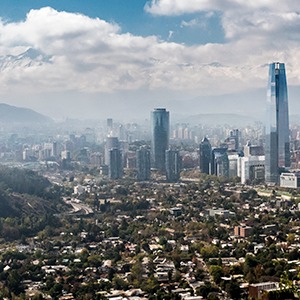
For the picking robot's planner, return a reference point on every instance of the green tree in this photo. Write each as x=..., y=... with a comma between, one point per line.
x=119, y=284
x=217, y=272
x=233, y=289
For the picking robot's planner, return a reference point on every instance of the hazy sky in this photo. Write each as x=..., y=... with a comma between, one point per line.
x=117, y=57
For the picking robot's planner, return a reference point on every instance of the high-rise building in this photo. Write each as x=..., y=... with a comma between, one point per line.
x=251, y=166
x=143, y=164
x=233, y=158
x=160, y=137
x=115, y=167
x=233, y=140
x=253, y=149
x=219, y=163
x=111, y=143
x=109, y=126
x=205, y=153
x=173, y=165
x=277, y=149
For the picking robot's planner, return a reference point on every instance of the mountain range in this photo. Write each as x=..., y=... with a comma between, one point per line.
x=31, y=57
x=11, y=115
x=236, y=109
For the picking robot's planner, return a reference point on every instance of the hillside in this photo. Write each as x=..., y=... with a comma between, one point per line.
x=12, y=114
x=19, y=205
x=28, y=203
x=24, y=192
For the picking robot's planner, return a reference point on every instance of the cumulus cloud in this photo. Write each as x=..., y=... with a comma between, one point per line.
x=178, y=7
x=238, y=17
x=256, y=31
x=91, y=55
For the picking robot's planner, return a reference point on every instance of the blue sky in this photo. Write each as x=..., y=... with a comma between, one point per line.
x=153, y=53
x=130, y=15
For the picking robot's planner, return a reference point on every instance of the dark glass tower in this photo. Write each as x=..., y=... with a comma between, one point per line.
x=219, y=162
x=277, y=150
x=143, y=164
x=205, y=153
x=173, y=165
x=115, y=167
x=160, y=137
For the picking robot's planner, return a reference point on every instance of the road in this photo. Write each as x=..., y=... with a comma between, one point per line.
x=78, y=207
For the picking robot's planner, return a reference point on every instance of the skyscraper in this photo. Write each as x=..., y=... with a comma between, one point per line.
x=205, y=153
x=160, y=137
x=109, y=126
x=219, y=162
x=111, y=143
x=173, y=165
x=143, y=163
x=233, y=140
x=277, y=149
x=115, y=167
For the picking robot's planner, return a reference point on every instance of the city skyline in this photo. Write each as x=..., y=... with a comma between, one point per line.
x=64, y=57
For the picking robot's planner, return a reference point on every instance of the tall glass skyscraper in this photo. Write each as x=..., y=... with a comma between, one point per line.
x=160, y=137
x=115, y=167
x=143, y=164
x=277, y=149
x=205, y=156
x=173, y=165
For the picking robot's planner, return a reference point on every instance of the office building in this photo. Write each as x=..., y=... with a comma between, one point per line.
x=90, y=136
x=253, y=150
x=219, y=163
x=173, y=165
x=233, y=158
x=109, y=126
x=111, y=143
x=50, y=150
x=243, y=231
x=290, y=180
x=277, y=149
x=115, y=167
x=251, y=167
x=205, y=153
x=160, y=137
x=129, y=159
x=143, y=164
x=66, y=159
x=233, y=141
x=66, y=155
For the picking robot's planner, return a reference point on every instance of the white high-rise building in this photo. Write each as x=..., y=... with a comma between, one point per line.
x=251, y=167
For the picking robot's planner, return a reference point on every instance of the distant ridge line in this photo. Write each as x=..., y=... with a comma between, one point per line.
x=14, y=114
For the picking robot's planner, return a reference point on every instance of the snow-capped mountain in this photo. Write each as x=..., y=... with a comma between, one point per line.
x=31, y=57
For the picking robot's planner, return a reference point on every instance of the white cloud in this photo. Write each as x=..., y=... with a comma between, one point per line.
x=238, y=17
x=194, y=23
x=48, y=28
x=178, y=7
x=93, y=56
x=201, y=22
x=257, y=32
x=171, y=33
